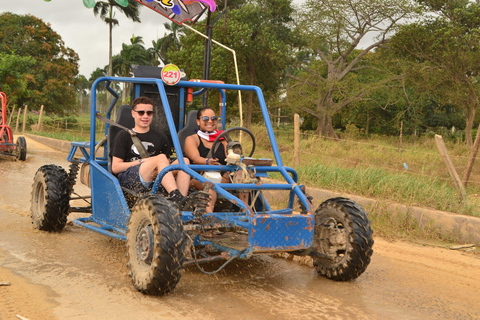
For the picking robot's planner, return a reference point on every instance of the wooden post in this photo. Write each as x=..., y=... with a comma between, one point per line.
x=451, y=169
x=278, y=119
x=11, y=116
x=24, y=118
x=39, y=125
x=66, y=124
x=296, y=139
x=18, y=119
x=471, y=161
x=401, y=133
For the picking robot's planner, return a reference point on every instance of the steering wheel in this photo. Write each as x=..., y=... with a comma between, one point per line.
x=226, y=134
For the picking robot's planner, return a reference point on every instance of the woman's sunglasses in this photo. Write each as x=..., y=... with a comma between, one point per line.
x=206, y=118
x=142, y=112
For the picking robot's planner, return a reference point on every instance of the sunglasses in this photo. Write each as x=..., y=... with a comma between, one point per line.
x=206, y=118
x=142, y=112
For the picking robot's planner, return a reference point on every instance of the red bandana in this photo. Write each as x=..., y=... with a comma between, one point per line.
x=210, y=136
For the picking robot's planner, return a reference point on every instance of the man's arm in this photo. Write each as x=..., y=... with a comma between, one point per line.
x=118, y=165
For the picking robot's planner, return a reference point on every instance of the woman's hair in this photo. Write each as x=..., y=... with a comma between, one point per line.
x=202, y=110
x=141, y=100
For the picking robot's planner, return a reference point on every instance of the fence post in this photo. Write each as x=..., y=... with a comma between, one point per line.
x=401, y=133
x=11, y=116
x=473, y=155
x=296, y=139
x=24, y=118
x=39, y=125
x=451, y=168
x=18, y=119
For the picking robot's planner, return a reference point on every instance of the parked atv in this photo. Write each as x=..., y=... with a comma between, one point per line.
x=7, y=147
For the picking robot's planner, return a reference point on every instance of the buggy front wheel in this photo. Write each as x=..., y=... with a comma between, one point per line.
x=155, y=245
x=342, y=240
x=50, y=198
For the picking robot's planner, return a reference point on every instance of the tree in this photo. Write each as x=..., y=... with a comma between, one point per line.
x=106, y=10
x=133, y=54
x=169, y=41
x=261, y=34
x=82, y=86
x=53, y=74
x=157, y=52
x=15, y=76
x=333, y=31
x=444, y=54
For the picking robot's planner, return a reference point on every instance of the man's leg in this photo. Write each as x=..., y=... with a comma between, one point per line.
x=183, y=179
x=150, y=168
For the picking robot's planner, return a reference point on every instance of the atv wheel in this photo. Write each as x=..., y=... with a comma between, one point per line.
x=21, y=150
x=155, y=245
x=50, y=198
x=342, y=239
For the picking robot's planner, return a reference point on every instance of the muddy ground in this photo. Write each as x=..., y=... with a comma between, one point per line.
x=79, y=274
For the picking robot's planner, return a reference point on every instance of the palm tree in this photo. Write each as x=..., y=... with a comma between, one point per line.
x=106, y=10
x=157, y=51
x=173, y=38
x=82, y=86
x=170, y=41
x=134, y=53
x=138, y=40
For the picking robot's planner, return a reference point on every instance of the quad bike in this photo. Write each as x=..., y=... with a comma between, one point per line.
x=161, y=238
x=7, y=147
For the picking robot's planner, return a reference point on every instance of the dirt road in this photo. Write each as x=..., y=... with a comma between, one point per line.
x=79, y=274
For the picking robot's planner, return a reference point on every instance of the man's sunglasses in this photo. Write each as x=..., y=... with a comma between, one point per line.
x=142, y=112
x=206, y=118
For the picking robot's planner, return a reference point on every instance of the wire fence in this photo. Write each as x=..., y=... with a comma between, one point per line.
x=420, y=158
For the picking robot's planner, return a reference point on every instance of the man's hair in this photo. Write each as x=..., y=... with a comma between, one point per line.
x=202, y=110
x=141, y=100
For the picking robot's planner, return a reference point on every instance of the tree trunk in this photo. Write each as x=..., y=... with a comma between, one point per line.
x=325, y=127
x=470, y=115
x=367, y=125
x=248, y=117
x=81, y=100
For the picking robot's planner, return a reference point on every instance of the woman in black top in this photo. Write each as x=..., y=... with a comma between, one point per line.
x=199, y=144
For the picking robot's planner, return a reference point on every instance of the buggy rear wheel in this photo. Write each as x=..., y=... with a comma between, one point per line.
x=21, y=150
x=50, y=198
x=155, y=245
x=342, y=239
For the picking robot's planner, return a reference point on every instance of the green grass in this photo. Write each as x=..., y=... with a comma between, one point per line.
x=391, y=226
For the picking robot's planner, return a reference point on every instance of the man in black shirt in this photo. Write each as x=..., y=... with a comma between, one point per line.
x=138, y=174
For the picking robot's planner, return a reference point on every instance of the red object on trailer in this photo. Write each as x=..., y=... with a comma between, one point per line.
x=7, y=147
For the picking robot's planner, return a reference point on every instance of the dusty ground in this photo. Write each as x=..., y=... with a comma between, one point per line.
x=79, y=274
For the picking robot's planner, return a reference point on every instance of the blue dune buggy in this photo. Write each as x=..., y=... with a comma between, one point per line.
x=162, y=238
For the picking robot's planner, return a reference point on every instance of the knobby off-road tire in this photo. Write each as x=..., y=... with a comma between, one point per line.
x=21, y=150
x=50, y=198
x=343, y=233
x=155, y=245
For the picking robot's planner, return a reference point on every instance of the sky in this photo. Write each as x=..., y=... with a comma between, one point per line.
x=86, y=34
